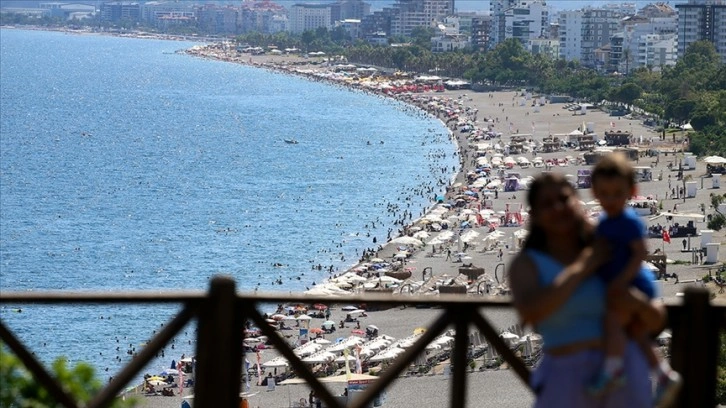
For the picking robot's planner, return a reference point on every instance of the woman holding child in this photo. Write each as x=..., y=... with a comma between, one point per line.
x=557, y=289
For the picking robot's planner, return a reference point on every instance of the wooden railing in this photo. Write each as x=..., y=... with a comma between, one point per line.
x=221, y=313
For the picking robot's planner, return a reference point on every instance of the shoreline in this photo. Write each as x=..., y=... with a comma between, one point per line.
x=141, y=35
x=489, y=388
x=209, y=52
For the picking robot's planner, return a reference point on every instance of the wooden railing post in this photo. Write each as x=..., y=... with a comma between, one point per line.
x=694, y=348
x=459, y=357
x=219, y=348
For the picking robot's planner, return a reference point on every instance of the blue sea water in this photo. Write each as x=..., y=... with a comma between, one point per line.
x=127, y=166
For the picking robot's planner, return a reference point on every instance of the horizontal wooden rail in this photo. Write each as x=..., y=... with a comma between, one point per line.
x=696, y=322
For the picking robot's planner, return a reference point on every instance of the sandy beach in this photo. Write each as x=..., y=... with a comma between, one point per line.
x=505, y=113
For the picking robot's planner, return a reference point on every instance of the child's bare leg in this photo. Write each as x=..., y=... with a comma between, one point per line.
x=615, y=336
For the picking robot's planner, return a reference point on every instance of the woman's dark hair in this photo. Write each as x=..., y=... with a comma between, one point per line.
x=536, y=238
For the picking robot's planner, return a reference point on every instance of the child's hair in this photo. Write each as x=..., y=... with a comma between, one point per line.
x=613, y=166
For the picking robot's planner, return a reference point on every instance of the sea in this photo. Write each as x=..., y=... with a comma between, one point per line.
x=127, y=165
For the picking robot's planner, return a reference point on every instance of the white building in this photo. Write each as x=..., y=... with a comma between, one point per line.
x=419, y=13
x=497, y=8
x=305, y=17
x=570, y=22
x=155, y=12
x=546, y=46
x=702, y=20
x=449, y=37
x=527, y=20
x=657, y=51
x=582, y=32
x=639, y=35
x=449, y=42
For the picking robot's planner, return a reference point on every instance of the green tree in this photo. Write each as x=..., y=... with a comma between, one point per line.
x=421, y=36
x=680, y=110
x=627, y=93
x=19, y=389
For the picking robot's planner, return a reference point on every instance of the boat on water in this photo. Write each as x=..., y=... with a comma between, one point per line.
x=291, y=141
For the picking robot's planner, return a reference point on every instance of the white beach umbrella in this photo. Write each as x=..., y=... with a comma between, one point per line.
x=479, y=183
x=421, y=235
x=714, y=160
x=276, y=362
x=344, y=358
x=469, y=236
x=494, y=184
x=319, y=358
x=407, y=241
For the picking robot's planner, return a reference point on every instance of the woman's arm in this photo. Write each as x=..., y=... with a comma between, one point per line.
x=534, y=302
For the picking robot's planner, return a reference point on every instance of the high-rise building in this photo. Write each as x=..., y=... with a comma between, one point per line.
x=526, y=21
x=163, y=13
x=120, y=11
x=497, y=9
x=633, y=47
x=702, y=20
x=262, y=17
x=217, y=19
x=305, y=17
x=582, y=32
x=419, y=13
x=354, y=9
x=377, y=25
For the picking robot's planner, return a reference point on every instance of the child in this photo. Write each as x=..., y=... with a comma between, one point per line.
x=613, y=183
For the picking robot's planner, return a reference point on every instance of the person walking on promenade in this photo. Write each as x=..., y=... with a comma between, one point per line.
x=448, y=254
x=555, y=289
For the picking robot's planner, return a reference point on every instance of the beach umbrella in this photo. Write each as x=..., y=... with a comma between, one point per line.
x=328, y=323
x=407, y=241
x=319, y=358
x=376, y=260
x=276, y=362
x=421, y=235
x=319, y=306
x=278, y=316
x=348, y=308
x=344, y=358
x=714, y=160
x=419, y=330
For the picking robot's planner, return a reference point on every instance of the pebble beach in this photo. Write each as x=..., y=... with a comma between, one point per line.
x=503, y=114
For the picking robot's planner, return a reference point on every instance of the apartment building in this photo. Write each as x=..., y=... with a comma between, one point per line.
x=419, y=13
x=702, y=20
x=582, y=32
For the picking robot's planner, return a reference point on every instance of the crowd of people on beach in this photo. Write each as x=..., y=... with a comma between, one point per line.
x=559, y=274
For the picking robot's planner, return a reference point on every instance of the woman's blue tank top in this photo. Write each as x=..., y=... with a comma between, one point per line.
x=580, y=318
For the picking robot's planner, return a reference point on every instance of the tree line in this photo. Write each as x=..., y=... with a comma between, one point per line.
x=691, y=91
